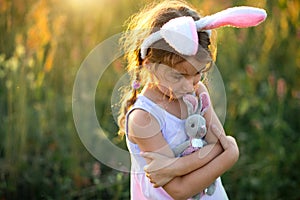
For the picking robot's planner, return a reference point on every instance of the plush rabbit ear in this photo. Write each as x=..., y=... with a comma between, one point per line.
x=191, y=103
x=239, y=17
x=204, y=102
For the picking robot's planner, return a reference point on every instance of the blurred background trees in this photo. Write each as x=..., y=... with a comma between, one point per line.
x=43, y=43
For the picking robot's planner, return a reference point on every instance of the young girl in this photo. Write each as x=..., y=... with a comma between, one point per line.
x=168, y=51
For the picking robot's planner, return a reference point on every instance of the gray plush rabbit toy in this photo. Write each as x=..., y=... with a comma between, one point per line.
x=195, y=128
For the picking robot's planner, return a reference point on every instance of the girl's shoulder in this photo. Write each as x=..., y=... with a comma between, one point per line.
x=201, y=88
x=142, y=110
x=143, y=118
x=147, y=106
x=142, y=124
x=140, y=117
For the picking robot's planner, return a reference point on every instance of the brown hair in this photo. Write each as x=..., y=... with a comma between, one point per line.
x=141, y=25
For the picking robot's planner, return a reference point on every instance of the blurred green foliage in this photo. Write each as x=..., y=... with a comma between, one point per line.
x=42, y=45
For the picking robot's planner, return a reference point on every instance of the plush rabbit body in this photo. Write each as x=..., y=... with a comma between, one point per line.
x=195, y=125
x=195, y=128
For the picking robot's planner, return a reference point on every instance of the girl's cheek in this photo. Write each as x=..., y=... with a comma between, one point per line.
x=197, y=79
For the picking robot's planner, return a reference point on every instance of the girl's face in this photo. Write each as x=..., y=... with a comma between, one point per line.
x=181, y=79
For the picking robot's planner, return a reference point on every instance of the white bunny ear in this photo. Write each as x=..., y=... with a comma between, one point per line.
x=154, y=37
x=181, y=34
x=239, y=17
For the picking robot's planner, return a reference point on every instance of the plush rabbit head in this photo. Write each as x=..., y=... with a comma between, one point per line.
x=195, y=124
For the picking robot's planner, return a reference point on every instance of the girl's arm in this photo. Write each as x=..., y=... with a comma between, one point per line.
x=144, y=130
x=188, y=185
x=163, y=169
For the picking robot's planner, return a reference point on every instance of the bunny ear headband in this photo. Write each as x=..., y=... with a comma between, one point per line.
x=181, y=33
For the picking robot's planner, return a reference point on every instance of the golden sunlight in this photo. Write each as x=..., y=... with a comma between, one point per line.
x=83, y=4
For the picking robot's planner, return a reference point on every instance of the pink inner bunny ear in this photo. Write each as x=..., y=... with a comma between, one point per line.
x=205, y=101
x=192, y=100
x=240, y=17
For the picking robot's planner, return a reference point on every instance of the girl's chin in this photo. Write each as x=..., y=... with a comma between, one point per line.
x=173, y=95
x=178, y=95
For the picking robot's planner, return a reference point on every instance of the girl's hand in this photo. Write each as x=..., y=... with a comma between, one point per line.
x=159, y=170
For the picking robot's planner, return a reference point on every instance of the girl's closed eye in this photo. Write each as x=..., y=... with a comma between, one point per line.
x=174, y=76
x=177, y=76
